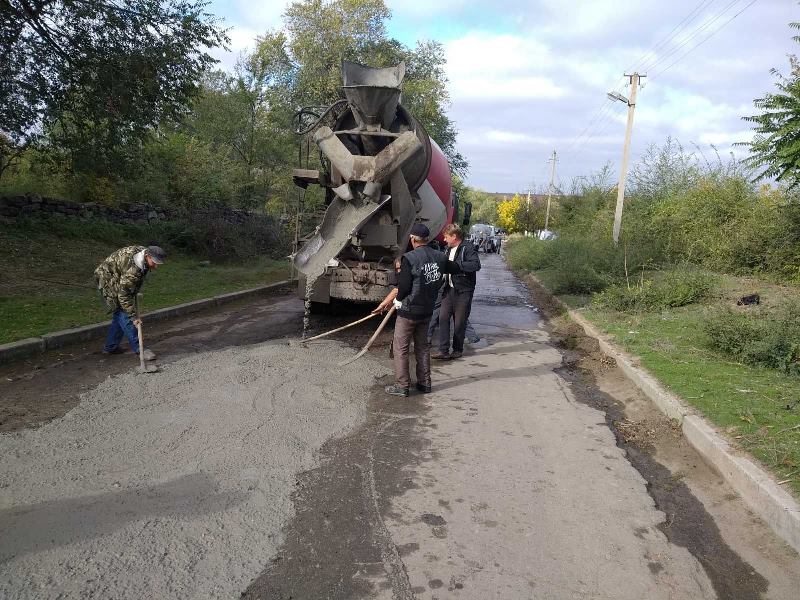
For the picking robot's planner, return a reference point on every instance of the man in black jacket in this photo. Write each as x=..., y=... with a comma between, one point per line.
x=463, y=263
x=418, y=283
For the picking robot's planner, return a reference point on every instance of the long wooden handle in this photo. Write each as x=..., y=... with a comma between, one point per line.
x=327, y=333
x=141, y=346
x=372, y=339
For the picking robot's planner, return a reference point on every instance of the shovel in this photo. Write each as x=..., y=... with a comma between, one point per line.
x=143, y=368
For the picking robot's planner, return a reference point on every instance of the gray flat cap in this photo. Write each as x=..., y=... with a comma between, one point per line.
x=157, y=254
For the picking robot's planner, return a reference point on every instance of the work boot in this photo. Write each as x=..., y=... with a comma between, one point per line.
x=116, y=350
x=440, y=356
x=425, y=389
x=396, y=390
x=455, y=355
x=148, y=354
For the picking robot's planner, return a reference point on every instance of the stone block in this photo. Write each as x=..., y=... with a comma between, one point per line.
x=72, y=336
x=20, y=349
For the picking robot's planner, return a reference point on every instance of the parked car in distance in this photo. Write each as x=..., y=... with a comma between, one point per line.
x=485, y=237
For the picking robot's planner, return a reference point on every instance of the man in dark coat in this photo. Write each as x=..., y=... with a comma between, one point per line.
x=418, y=283
x=459, y=286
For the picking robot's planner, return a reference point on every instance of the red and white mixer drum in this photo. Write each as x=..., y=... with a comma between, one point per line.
x=435, y=193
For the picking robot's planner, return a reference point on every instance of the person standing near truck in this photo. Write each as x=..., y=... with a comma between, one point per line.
x=418, y=282
x=459, y=286
x=119, y=278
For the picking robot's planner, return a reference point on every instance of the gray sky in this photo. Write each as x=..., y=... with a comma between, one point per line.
x=527, y=78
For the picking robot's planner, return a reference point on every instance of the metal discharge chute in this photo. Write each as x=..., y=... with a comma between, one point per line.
x=384, y=174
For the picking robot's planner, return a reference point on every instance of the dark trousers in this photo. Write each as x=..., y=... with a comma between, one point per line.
x=121, y=325
x=406, y=330
x=456, y=305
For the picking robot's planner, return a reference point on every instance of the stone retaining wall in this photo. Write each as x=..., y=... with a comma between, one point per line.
x=35, y=206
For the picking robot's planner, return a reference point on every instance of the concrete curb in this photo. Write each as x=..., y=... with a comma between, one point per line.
x=756, y=487
x=31, y=346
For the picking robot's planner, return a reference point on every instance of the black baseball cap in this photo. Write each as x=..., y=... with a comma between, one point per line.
x=421, y=231
x=157, y=254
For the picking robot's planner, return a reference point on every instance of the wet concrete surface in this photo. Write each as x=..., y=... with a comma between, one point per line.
x=509, y=481
x=45, y=387
x=514, y=479
x=338, y=545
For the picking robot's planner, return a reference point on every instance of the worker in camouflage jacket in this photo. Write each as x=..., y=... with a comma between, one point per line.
x=119, y=278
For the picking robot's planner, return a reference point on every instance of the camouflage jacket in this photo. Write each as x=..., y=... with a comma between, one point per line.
x=119, y=279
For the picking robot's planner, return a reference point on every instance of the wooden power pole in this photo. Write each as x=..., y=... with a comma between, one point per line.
x=634, y=79
x=550, y=191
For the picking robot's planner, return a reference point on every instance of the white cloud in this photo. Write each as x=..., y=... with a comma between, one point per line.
x=583, y=18
x=504, y=88
x=722, y=139
x=416, y=9
x=481, y=65
x=486, y=54
x=262, y=15
x=478, y=137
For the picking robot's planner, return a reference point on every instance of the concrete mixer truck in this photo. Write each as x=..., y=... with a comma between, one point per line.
x=381, y=174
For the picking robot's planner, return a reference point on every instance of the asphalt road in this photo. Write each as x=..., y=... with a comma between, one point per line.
x=509, y=481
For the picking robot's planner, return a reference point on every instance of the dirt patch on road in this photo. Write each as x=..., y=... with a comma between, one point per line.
x=338, y=546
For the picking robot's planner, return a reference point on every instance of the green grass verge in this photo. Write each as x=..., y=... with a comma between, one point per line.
x=755, y=407
x=47, y=280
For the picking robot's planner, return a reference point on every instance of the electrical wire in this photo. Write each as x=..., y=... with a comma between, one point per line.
x=691, y=37
x=603, y=108
x=712, y=34
x=585, y=146
x=671, y=35
x=600, y=114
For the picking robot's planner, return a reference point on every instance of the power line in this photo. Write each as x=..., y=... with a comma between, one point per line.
x=694, y=35
x=597, y=114
x=603, y=117
x=671, y=35
x=596, y=117
x=712, y=34
x=585, y=146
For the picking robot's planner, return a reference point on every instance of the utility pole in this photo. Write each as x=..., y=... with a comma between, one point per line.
x=528, y=205
x=550, y=191
x=631, y=102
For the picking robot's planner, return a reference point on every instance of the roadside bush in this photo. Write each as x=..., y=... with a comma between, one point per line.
x=670, y=289
x=580, y=265
x=761, y=337
x=571, y=265
x=527, y=254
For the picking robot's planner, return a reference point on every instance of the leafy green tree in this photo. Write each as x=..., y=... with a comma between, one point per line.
x=324, y=33
x=96, y=76
x=776, y=145
x=484, y=206
x=246, y=116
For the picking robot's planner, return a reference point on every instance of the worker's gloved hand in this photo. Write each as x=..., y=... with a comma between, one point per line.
x=397, y=303
x=137, y=322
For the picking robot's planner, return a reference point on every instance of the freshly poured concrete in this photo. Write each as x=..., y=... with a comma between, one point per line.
x=175, y=484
